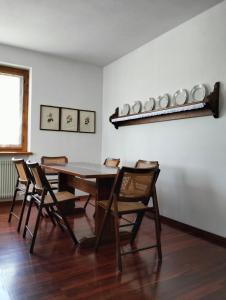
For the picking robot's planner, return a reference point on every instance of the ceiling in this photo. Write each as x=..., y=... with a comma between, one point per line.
x=94, y=31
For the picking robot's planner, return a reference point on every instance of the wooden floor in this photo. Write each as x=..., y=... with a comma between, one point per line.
x=191, y=269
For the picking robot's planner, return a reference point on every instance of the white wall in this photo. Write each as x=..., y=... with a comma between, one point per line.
x=191, y=152
x=60, y=82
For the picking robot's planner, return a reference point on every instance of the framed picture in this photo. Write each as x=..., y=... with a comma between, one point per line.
x=68, y=119
x=87, y=121
x=49, y=118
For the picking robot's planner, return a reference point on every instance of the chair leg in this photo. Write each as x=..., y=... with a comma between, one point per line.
x=35, y=230
x=136, y=227
x=71, y=233
x=13, y=203
x=156, y=206
x=27, y=218
x=49, y=213
x=100, y=233
x=37, y=206
x=158, y=239
x=59, y=224
x=22, y=208
x=87, y=201
x=56, y=218
x=117, y=243
x=21, y=214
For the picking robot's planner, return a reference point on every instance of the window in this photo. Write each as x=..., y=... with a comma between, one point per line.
x=14, y=85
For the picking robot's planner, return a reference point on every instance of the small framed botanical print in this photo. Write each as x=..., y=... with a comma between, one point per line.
x=87, y=121
x=49, y=117
x=69, y=119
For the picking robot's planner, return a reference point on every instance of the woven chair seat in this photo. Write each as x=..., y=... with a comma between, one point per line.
x=124, y=207
x=61, y=196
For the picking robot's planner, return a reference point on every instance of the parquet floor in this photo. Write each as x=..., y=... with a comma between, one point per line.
x=191, y=269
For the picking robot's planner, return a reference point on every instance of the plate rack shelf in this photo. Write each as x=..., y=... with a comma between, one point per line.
x=208, y=107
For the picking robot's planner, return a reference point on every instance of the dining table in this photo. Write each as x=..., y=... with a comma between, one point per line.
x=94, y=179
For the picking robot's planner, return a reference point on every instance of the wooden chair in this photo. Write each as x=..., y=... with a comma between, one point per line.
x=146, y=164
x=110, y=163
x=151, y=164
x=52, y=175
x=22, y=185
x=44, y=197
x=130, y=194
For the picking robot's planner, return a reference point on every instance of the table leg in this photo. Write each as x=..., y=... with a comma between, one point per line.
x=103, y=189
x=68, y=207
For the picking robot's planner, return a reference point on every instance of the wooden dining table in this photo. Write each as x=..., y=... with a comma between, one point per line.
x=94, y=179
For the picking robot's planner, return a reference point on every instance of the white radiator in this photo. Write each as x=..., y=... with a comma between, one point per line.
x=8, y=177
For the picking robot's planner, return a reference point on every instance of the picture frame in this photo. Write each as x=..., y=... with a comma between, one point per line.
x=68, y=119
x=87, y=121
x=49, y=117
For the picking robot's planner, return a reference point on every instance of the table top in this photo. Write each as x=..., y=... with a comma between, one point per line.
x=83, y=170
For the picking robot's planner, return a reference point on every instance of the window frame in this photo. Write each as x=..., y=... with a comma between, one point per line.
x=25, y=74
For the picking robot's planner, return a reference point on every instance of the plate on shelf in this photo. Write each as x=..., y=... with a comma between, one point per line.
x=180, y=97
x=149, y=105
x=137, y=107
x=163, y=101
x=198, y=92
x=125, y=110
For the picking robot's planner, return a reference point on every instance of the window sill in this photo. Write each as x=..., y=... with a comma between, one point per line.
x=15, y=153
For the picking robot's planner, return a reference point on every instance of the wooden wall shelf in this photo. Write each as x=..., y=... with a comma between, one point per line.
x=208, y=107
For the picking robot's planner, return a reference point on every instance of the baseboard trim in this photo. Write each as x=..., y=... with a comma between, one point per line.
x=211, y=237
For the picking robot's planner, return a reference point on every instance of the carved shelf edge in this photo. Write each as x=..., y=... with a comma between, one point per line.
x=209, y=106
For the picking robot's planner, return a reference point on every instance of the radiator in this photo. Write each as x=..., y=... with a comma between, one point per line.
x=8, y=177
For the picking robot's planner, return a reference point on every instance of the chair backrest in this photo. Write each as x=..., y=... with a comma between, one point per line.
x=23, y=172
x=133, y=184
x=53, y=160
x=112, y=162
x=38, y=177
x=146, y=164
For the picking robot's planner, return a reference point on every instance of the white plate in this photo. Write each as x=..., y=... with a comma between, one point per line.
x=125, y=110
x=137, y=107
x=180, y=97
x=198, y=92
x=164, y=101
x=149, y=105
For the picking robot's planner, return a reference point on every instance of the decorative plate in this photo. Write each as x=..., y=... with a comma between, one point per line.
x=137, y=107
x=164, y=101
x=180, y=97
x=149, y=105
x=198, y=92
x=125, y=110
